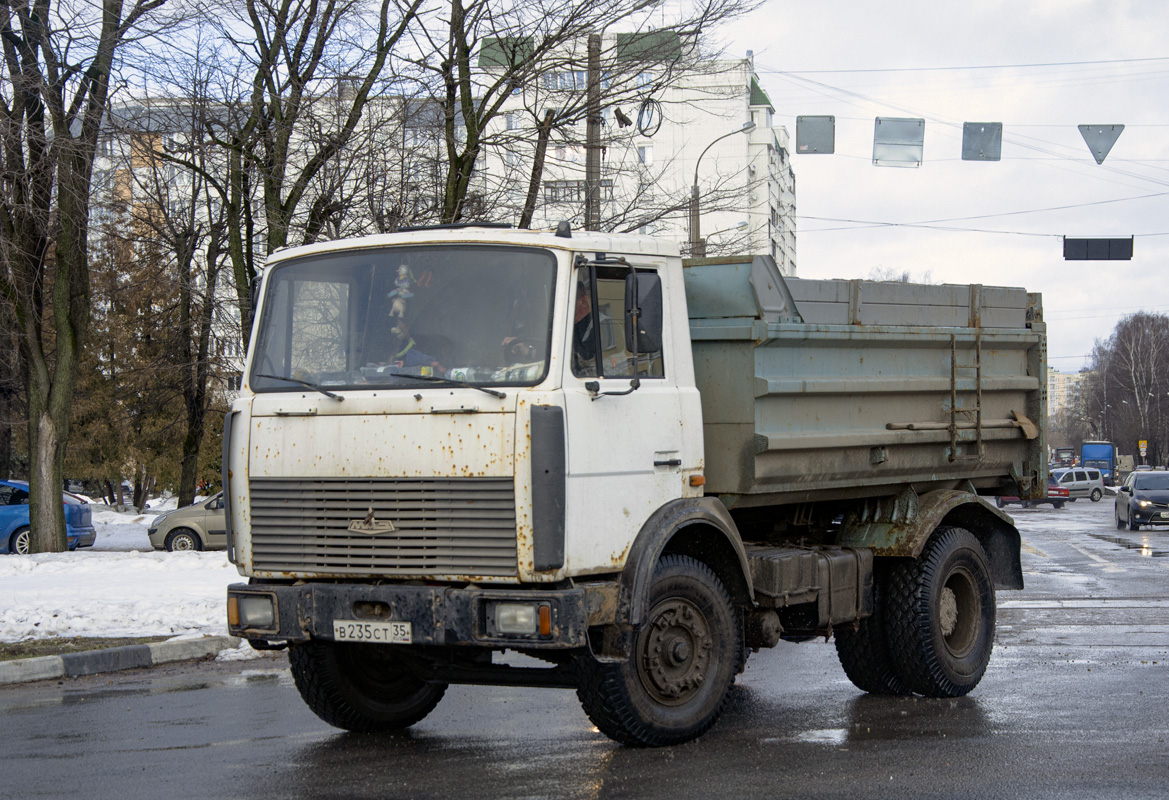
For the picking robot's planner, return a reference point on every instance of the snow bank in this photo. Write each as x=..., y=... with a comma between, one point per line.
x=119, y=587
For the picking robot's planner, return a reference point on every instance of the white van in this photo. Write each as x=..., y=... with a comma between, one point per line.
x=1081, y=482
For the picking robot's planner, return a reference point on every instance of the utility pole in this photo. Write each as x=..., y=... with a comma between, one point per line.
x=593, y=137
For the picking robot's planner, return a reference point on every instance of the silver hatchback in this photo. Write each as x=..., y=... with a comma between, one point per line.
x=1081, y=482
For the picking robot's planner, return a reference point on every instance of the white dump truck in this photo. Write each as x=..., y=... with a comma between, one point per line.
x=456, y=442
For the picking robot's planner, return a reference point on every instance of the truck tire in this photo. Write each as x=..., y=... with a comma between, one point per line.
x=940, y=615
x=685, y=657
x=864, y=652
x=360, y=687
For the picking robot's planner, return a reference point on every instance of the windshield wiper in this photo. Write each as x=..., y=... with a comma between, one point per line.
x=306, y=384
x=452, y=382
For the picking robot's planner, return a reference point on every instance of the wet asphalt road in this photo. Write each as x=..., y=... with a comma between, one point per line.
x=1075, y=704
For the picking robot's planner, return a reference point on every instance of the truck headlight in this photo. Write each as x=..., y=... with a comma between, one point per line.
x=521, y=619
x=251, y=611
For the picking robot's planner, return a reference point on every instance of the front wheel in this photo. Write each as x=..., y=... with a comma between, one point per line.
x=360, y=687
x=19, y=543
x=685, y=657
x=183, y=540
x=941, y=614
x=1096, y=495
x=1133, y=525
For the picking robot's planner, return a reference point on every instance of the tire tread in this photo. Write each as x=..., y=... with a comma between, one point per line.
x=909, y=630
x=604, y=694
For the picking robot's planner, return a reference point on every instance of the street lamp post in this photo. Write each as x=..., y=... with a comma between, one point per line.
x=697, y=244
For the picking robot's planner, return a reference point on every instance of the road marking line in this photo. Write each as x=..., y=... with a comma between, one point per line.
x=1108, y=565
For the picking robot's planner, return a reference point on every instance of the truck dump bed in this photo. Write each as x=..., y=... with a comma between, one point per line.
x=830, y=389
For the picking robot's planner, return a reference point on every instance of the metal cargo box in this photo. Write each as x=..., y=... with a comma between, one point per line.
x=830, y=389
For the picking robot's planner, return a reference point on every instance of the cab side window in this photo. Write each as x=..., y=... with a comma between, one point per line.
x=598, y=331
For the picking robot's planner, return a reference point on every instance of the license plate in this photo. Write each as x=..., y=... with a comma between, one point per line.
x=1165, y=515
x=352, y=630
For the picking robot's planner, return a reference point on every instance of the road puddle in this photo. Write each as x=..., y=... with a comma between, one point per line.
x=1142, y=548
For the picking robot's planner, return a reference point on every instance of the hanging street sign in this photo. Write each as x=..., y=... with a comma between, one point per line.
x=1100, y=139
x=982, y=141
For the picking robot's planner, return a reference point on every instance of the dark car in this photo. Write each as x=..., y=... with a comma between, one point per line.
x=1143, y=499
x=1056, y=495
x=14, y=524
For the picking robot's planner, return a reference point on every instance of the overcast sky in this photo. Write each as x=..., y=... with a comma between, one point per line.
x=951, y=63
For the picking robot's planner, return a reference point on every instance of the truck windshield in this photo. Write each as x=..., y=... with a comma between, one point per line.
x=399, y=316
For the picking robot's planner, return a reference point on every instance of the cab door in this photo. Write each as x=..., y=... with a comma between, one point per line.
x=624, y=445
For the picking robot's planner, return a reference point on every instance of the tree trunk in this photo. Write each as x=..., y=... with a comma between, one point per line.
x=46, y=511
x=542, y=136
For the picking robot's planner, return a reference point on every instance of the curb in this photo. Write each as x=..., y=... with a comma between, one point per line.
x=91, y=662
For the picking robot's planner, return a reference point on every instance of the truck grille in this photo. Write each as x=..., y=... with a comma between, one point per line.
x=456, y=526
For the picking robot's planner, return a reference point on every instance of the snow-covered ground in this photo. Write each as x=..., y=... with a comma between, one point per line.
x=118, y=587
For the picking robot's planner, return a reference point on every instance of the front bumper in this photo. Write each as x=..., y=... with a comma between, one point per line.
x=1153, y=515
x=439, y=615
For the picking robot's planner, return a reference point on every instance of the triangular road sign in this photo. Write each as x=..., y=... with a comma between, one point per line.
x=1100, y=139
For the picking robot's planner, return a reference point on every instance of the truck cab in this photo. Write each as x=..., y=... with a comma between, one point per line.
x=421, y=385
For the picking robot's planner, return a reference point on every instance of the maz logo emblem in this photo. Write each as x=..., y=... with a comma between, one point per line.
x=370, y=525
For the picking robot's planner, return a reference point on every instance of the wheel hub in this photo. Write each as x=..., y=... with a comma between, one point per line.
x=948, y=611
x=675, y=651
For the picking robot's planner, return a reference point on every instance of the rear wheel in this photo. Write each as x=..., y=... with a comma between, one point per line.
x=1119, y=521
x=1058, y=504
x=685, y=657
x=864, y=652
x=941, y=613
x=19, y=543
x=183, y=539
x=1096, y=495
x=360, y=687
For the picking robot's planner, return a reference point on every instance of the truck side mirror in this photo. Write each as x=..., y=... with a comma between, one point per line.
x=257, y=282
x=643, y=292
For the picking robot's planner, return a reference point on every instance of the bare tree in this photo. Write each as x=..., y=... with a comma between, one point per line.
x=1127, y=394
x=179, y=227
x=269, y=125
x=482, y=53
x=58, y=61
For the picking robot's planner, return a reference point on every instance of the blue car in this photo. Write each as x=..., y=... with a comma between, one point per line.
x=14, y=533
